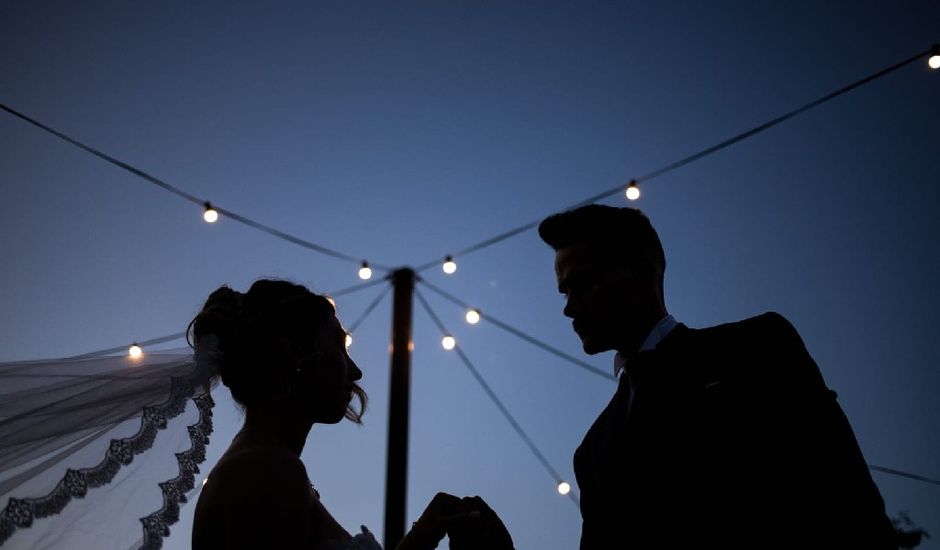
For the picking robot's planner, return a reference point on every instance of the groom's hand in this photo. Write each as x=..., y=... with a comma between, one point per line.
x=477, y=527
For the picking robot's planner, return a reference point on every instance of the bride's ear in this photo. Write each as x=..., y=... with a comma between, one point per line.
x=288, y=352
x=286, y=358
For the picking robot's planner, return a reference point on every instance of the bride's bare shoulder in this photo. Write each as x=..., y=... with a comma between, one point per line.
x=255, y=498
x=259, y=471
x=261, y=461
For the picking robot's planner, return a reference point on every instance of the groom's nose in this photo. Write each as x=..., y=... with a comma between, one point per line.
x=571, y=307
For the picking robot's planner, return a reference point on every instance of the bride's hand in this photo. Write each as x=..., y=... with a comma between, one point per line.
x=431, y=527
x=477, y=527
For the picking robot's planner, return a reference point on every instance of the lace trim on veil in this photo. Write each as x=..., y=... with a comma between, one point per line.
x=21, y=512
x=157, y=524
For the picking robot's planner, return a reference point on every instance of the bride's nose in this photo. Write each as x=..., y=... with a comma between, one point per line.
x=354, y=372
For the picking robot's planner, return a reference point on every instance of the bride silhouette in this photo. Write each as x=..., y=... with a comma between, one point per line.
x=281, y=351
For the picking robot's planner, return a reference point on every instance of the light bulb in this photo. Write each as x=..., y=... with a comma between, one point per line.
x=210, y=215
x=450, y=266
x=473, y=316
x=365, y=272
x=348, y=340
x=934, y=61
x=448, y=342
x=564, y=488
x=135, y=352
x=633, y=192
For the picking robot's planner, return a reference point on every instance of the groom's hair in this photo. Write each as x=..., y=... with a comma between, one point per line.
x=626, y=234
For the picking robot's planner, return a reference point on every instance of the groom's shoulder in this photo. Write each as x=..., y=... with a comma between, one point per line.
x=769, y=321
x=764, y=347
x=764, y=330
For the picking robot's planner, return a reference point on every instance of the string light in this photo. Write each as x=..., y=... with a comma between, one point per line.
x=564, y=488
x=210, y=215
x=934, y=60
x=450, y=266
x=135, y=351
x=473, y=316
x=348, y=340
x=633, y=192
x=365, y=272
x=448, y=342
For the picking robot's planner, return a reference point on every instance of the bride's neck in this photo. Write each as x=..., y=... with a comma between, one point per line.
x=277, y=427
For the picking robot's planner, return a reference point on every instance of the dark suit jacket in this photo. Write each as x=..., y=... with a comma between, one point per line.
x=726, y=437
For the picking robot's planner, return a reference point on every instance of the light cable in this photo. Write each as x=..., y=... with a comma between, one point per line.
x=689, y=159
x=172, y=189
x=556, y=477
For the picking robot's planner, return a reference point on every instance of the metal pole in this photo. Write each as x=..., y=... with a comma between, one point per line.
x=396, y=473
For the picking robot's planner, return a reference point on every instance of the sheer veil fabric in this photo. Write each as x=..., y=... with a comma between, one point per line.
x=101, y=452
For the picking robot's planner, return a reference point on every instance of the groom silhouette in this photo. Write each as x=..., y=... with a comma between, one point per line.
x=723, y=437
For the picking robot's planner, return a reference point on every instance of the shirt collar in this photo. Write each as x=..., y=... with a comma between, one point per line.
x=660, y=331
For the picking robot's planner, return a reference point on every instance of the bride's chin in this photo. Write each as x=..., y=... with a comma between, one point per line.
x=332, y=417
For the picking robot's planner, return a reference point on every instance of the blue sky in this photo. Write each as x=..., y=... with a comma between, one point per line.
x=401, y=132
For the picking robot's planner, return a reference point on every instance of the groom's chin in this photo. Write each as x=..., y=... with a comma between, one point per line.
x=592, y=346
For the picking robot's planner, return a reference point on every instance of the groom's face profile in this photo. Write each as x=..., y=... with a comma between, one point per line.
x=612, y=302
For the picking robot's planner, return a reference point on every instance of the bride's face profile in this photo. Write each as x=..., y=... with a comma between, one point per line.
x=281, y=350
x=326, y=375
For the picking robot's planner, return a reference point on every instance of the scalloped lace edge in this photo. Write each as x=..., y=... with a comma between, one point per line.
x=20, y=513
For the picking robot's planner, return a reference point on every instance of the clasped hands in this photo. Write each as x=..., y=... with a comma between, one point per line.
x=468, y=522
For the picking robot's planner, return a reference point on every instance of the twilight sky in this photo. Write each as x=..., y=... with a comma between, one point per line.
x=399, y=132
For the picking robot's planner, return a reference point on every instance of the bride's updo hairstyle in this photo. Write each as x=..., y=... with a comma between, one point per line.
x=250, y=328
